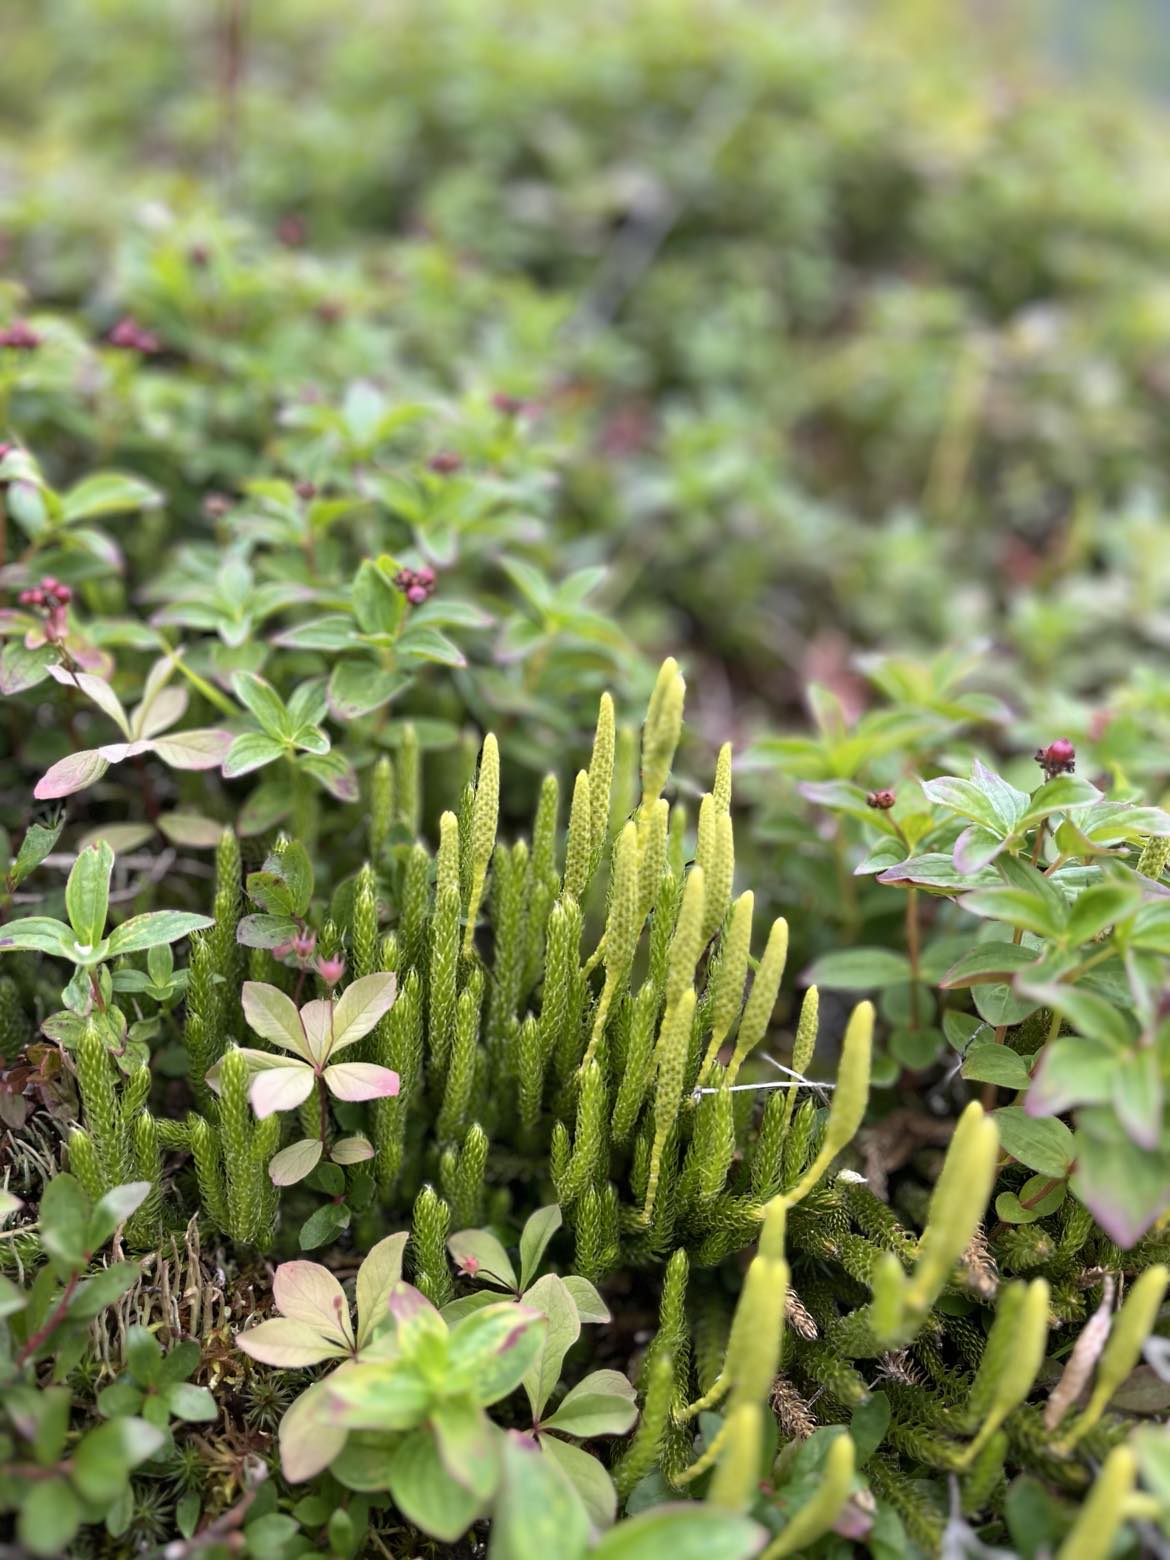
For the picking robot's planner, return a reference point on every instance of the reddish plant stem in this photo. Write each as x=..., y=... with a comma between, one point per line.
x=51, y=1322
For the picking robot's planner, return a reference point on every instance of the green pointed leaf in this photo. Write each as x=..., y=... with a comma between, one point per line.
x=424, y=1491
x=538, y=1512
x=153, y=929
x=87, y=893
x=534, y=1238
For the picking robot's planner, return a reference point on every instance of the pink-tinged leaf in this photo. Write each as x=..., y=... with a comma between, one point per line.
x=160, y=708
x=274, y=1017
x=307, y=1292
x=71, y=774
x=362, y=1004
x=289, y=1345
x=97, y=689
x=317, y=1022
x=308, y=1441
x=281, y=1088
x=335, y=773
x=202, y=749
x=377, y=1276
x=256, y=1060
x=360, y=1081
x=407, y=1304
x=295, y=1162
x=351, y=1150
x=21, y=668
x=975, y=848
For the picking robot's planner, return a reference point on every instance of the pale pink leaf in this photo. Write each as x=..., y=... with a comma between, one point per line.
x=351, y=1150
x=377, y=1276
x=202, y=749
x=360, y=1081
x=258, y=1061
x=159, y=711
x=308, y=1292
x=295, y=1162
x=97, y=689
x=281, y=1088
x=308, y=1442
x=274, y=1017
x=362, y=1004
x=288, y=1344
x=71, y=774
x=317, y=1022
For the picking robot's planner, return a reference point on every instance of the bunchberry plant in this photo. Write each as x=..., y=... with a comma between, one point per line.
x=314, y=1035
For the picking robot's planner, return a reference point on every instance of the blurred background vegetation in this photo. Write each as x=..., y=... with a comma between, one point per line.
x=844, y=329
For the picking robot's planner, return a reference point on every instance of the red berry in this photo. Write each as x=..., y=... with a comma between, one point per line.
x=305, y=489
x=445, y=462
x=416, y=595
x=63, y=594
x=881, y=800
x=1058, y=758
x=424, y=576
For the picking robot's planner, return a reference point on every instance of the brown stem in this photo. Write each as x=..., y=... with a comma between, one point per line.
x=51, y=1322
x=323, y=1096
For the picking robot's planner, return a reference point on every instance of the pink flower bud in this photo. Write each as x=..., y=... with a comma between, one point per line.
x=331, y=970
x=416, y=595
x=304, y=945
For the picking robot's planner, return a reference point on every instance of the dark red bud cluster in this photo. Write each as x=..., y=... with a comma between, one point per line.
x=130, y=334
x=49, y=593
x=1058, y=758
x=445, y=462
x=416, y=584
x=305, y=490
x=510, y=405
x=881, y=801
x=20, y=337
x=216, y=505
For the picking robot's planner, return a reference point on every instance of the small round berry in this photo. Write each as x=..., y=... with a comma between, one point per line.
x=424, y=576
x=417, y=594
x=881, y=801
x=1058, y=758
x=63, y=594
x=305, y=489
x=404, y=579
x=445, y=462
x=216, y=505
